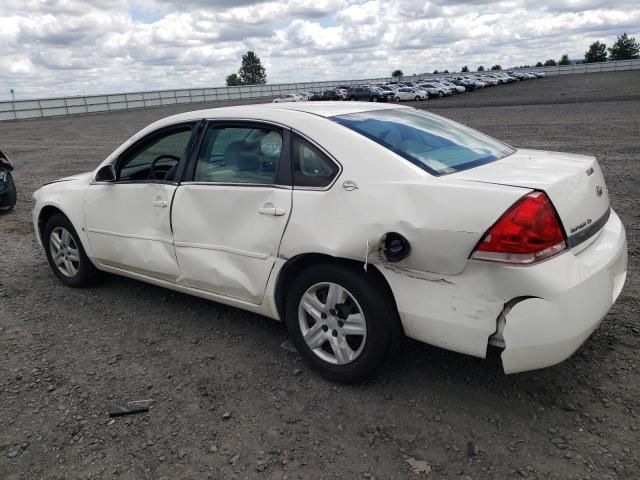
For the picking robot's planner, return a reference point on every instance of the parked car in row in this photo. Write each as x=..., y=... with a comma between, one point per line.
x=409, y=93
x=364, y=92
x=291, y=97
x=326, y=95
x=454, y=88
x=434, y=89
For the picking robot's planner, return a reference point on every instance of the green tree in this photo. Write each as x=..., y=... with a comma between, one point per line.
x=550, y=63
x=565, y=60
x=233, y=80
x=397, y=74
x=597, y=53
x=251, y=71
x=539, y=64
x=465, y=69
x=435, y=72
x=481, y=68
x=625, y=48
x=496, y=67
x=446, y=71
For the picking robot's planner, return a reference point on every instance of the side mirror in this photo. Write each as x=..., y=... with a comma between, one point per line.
x=106, y=174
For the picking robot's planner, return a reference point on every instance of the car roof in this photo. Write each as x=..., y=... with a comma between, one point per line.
x=323, y=109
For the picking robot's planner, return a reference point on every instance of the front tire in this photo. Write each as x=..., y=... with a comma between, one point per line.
x=342, y=320
x=65, y=254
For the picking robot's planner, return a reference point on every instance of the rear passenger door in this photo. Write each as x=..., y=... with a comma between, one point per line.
x=230, y=212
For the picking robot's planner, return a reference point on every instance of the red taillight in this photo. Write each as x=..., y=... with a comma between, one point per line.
x=529, y=231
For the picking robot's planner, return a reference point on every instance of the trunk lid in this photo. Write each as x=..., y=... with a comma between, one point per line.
x=574, y=183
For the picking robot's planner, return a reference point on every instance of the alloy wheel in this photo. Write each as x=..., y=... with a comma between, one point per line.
x=332, y=323
x=64, y=252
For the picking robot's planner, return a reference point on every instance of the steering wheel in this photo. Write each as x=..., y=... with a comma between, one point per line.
x=159, y=172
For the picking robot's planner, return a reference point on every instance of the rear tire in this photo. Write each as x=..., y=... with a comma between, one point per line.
x=342, y=320
x=418, y=99
x=374, y=99
x=353, y=99
x=65, y=254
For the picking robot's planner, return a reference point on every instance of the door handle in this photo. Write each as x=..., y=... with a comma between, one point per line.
x=276, y=212
x=160, y=203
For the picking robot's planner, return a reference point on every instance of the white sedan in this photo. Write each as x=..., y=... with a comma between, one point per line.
x=356, y=224
x=291, y=97
x=410, y=93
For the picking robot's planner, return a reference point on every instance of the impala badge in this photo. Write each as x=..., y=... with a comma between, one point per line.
x=598, y=190
x=349, y=185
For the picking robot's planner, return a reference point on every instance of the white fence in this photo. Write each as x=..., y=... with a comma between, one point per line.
x=620, y=65
x=51, y=107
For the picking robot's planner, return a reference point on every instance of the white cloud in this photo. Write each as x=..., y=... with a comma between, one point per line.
x=63, y=47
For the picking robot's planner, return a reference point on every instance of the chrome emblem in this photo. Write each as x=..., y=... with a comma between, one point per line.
x=349, y=185
x=590, y=172
x=599, y=190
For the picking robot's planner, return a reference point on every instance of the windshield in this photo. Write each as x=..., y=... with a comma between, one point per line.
x=433, y=143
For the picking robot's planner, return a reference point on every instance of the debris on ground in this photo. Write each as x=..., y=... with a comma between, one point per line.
x=419, y=466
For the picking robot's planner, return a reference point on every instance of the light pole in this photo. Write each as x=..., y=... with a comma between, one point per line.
x=13, y=95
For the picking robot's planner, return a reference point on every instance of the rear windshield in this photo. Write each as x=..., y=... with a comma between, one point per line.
x=433, y=143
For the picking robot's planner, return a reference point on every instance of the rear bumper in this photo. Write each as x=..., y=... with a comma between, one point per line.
x=540, y=313
x=540, y=332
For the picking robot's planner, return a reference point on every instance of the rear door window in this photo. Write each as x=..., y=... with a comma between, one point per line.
x=311, y=167
x=234, y=154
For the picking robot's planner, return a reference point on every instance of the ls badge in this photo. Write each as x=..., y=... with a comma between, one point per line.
x=349, y=185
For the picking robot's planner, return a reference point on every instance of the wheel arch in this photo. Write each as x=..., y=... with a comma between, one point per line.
x=298, y=263
x=46, y=213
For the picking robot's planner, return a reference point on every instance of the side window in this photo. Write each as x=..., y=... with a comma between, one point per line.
x=156, y=159
x=311, y=167
x=239, y=155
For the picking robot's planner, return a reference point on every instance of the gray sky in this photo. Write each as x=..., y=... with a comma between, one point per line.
x=66, y=47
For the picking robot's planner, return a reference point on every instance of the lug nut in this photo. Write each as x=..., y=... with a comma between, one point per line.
x=323, y=316
x=340, y=323
x=325, y=328
x=334, y=333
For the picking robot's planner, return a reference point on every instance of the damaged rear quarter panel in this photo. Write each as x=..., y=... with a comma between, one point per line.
x=442, y=221
x=446, y=311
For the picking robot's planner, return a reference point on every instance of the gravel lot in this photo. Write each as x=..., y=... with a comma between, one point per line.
x=228, y=402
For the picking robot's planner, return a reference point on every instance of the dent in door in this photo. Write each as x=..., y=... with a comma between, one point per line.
x=224, y=243
x=127, y=230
